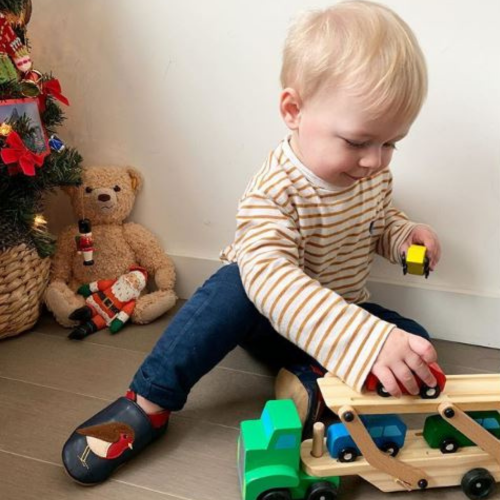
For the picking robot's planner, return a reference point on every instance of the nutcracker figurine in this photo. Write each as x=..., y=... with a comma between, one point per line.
x=84, y=242
x=109, y=303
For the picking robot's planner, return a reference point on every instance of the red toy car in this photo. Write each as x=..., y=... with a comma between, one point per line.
x=373, y=384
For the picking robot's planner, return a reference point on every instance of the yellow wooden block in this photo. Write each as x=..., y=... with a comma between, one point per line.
x=415, y=259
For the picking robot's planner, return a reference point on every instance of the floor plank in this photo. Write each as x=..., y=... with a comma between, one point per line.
x=23, y=478
x=49, y=385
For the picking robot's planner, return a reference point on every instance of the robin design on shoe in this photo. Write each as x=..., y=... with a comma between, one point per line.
x=107, y=441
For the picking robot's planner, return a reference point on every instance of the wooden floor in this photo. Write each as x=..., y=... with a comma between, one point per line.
x=49, y=385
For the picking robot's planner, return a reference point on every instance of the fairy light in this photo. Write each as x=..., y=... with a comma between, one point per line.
x=39, y=221
x=5, y=129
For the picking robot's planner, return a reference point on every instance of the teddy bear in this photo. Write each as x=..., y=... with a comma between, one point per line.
x=106, y=197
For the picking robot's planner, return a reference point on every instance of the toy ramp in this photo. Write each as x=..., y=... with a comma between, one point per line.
x=469, y=392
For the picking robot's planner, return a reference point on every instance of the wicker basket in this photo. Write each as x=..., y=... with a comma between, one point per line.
x=23, y=279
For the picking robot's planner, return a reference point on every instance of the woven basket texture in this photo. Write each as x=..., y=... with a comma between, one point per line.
x=23, y=279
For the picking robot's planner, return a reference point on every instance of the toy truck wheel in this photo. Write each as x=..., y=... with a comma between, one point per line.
x=478, y=484
x=449, y=445
x=322, y=491
x=427, y=267
x=390, y=448
x=275, y=495
x=381, y=391
x=427, y=392
x=348, y=455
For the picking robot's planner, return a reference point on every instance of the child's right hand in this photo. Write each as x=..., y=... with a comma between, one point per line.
x=402, y=356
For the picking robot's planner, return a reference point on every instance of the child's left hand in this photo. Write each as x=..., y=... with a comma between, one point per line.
x=424, y=235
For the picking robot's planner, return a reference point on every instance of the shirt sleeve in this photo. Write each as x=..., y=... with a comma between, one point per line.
x=397, y=228
x=343, y=337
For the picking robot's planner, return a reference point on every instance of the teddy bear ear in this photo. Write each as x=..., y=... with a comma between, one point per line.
x=136, y=178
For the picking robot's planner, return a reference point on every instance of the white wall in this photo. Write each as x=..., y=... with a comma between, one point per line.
x=188, y=92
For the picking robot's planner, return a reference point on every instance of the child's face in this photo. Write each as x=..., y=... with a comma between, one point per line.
x=337, y=139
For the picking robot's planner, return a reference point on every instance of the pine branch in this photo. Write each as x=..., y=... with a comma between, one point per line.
x=14, y=6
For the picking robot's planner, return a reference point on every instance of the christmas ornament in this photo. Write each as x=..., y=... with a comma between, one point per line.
x=55, y=143
x=31, y=84
x=14, y=55
x=109, y=303
x=18, y=153
x=84, y=242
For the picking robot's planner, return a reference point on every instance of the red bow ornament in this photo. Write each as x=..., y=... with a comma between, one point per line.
x=52, y=88
x=17, y=152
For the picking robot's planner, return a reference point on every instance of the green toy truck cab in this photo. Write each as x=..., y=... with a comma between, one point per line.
x=269, y=458
x=440, y=434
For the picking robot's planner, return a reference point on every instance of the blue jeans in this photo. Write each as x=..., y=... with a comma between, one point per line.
x=217, y=318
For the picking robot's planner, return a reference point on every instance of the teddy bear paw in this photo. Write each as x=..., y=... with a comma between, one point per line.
x=153, y=305
x=62, y=301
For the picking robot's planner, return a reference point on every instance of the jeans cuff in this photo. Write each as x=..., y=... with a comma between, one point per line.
x=166, y=398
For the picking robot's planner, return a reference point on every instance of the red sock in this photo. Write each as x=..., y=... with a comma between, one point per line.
x=158, y=419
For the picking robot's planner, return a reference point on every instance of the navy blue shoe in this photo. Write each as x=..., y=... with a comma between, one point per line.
x=108, y=440
x=299, y=383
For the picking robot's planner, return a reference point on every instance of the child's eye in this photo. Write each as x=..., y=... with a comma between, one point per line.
x=390, y=145
x=356, y=145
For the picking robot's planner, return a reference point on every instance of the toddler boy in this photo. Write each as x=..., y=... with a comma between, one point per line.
x=308, y=227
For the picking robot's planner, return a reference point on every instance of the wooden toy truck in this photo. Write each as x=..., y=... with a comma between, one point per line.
x=417, y=466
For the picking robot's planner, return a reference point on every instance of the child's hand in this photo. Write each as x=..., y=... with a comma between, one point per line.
x=402, y=354
x=423, y=235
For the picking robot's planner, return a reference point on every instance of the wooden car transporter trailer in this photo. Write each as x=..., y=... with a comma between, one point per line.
x=417, y=466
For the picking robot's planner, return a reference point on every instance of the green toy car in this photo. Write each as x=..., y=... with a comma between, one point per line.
x=438, y=433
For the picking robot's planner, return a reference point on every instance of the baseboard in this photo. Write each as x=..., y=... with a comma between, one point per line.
x=447, y=315
x=191, y=273
x=459, y=317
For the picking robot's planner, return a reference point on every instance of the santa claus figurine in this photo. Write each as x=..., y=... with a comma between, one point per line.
x=108, y=303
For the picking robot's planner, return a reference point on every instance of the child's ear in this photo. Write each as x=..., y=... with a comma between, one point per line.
x=290, y=106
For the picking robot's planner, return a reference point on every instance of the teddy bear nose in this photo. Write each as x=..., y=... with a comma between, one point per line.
x=104, y=197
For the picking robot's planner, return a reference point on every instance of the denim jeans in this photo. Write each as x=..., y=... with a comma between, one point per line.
x=217, y=318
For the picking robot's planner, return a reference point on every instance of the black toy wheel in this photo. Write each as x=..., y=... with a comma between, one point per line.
x=427, y=392
x=403, y=263
x=322, y=491
x=390, y=448
x=381, y=391
x=449, y=445
x=478, y=484
x=427, y=267
x=280, y=494
x=348, y=455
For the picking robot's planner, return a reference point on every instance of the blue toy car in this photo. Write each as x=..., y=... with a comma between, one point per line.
x=387, y=431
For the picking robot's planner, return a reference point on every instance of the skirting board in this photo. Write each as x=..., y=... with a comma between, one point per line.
x=447, y=315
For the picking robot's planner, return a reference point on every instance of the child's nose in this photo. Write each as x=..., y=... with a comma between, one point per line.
x=372, y=158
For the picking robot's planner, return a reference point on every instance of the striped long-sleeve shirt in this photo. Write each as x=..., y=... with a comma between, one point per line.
x=305, y=248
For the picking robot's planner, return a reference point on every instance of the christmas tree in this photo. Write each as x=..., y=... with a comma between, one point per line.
x=33, y=160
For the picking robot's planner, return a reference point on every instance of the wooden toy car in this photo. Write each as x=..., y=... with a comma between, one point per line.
x=373, y=384
x=415, y=261
x=387, y=431
x=439, y=433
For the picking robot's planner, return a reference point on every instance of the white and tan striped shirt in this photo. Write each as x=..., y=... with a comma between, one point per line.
x=304, y=249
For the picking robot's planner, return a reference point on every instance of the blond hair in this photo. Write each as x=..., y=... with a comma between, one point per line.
x=362, y=47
